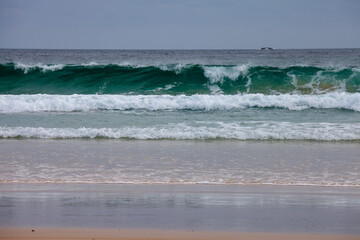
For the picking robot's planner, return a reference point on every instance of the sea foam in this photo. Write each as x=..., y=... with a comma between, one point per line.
x=217, y=74
x=252, y=130
x=26, y=68
x=69, y=103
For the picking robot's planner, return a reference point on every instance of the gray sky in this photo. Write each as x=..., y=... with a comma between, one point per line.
x=179, y=24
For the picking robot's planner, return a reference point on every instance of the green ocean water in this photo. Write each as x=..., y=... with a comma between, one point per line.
x=175, y=79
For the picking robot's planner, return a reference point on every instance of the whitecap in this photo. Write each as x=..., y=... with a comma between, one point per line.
x=217, y=74
x=43, y=67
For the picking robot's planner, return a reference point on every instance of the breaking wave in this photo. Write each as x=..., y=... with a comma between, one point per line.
x=76, y=102
x=253, y=130
x=174, y=79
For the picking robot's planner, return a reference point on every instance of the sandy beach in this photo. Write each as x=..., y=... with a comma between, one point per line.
x=50, y=186
x=148, y=234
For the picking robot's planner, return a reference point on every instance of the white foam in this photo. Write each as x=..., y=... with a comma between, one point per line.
x=130, y=65
x=177, y=68
x=43, y=67
x=217, y=74
x=215, y=89
x=66, y=103
x=90, y=64
x=120, y=64
x=167, y=87
x=252, y=130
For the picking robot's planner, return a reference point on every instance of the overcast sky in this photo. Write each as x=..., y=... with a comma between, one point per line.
x=179, y=24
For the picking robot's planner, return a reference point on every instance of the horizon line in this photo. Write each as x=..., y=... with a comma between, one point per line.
x=173, y=49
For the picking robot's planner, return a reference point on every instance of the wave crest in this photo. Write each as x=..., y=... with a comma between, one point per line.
x=42, y=67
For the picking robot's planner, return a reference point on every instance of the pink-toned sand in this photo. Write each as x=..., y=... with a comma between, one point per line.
x=149, y=234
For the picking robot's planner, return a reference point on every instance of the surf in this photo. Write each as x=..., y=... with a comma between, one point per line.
x=85, y=103
x=248, y=130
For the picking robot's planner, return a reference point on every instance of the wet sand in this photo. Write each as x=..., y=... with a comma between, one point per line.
x=185, y=208
x=43, y=201
x=148, y=234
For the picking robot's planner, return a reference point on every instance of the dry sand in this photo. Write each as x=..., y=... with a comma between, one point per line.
x=149, y=234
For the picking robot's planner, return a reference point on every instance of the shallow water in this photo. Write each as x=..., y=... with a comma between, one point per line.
x=181, y=162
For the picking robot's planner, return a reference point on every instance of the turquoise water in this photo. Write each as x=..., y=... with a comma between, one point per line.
x=175, y=79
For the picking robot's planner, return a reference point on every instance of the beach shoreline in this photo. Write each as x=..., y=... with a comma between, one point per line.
x=151, y=234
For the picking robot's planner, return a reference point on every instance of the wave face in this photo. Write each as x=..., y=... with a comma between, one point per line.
x=175, y=79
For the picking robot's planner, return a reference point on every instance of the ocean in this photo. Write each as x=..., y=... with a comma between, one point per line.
x=288, y=117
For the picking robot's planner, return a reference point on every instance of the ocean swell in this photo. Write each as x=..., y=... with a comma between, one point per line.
x=92, y=78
